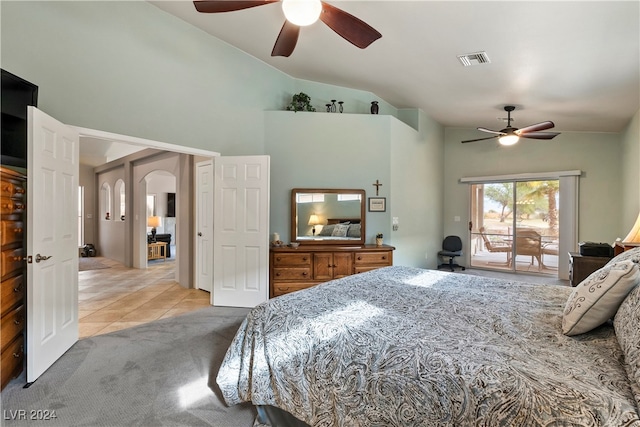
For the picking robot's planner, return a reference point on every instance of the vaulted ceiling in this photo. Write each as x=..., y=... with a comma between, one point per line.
x=576, y=63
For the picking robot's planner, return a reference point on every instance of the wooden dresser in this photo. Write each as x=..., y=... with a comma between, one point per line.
x=294, y=269
x=12, y=295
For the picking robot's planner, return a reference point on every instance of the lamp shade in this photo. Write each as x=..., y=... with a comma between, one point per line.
x=153, y=221
x=634, y=234
x=314, y=220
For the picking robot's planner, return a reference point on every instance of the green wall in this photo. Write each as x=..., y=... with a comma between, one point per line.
x=596, y=155
x=129, y=68
x=629, y=175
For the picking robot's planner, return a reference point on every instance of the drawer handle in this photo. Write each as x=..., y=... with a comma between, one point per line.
x=278, y=259
x=17, y=230
x=18, y=289
x=17, y=258
x=304, y=274
x=19, y=191
x=384, y=257
x=359, y=258
x=17, y=321
x=334, y=266
x=19, y=206
x=277, y=274
x=304, y=258
x=16, y=355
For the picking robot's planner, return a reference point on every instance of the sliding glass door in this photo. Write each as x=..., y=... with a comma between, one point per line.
x=515, y=226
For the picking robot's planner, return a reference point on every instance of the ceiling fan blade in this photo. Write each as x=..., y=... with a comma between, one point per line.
x=499, y=132
x=352, y=29
x=287, y=39
x=540, y=135
x=480, y=139
x=215, y=6
x=535, y=128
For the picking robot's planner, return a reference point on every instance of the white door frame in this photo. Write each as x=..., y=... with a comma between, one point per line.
x=146, y=143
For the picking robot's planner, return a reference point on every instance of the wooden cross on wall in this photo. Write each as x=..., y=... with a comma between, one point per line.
x=377, y=185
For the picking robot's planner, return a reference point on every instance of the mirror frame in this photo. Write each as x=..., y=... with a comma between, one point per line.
x=294, y=216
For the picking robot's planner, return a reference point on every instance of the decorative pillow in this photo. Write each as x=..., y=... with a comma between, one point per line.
x=354, y=230
x=340, y=230
x=631, y=254
x=327, y=230
x=597, y=298
x=628, y=333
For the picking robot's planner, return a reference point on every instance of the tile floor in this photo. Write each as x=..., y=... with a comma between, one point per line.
x=118, y=297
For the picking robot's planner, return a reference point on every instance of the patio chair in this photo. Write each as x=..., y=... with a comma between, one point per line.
x=496, y=246
x=529, y=242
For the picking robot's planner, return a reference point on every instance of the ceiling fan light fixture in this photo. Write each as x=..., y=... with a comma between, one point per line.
x=302, y=12
x=508, y=139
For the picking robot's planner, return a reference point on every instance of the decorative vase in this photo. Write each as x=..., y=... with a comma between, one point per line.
x=378, y=241
x=374, y=107
x=340, y=108
x=333, y=105
x=328, y=108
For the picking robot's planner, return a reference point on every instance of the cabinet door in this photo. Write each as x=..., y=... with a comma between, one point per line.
x=342, y=264
x=323, y=266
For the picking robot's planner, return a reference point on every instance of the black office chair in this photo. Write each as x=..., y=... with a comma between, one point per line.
x=451, y=248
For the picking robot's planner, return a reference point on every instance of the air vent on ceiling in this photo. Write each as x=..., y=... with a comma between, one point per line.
x=475, y=58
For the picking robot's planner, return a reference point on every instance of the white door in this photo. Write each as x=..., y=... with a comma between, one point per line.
x=204, y=225
x=241, y=231
x=52, y=241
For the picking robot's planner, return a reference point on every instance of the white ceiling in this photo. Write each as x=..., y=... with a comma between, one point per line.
x=576, y=63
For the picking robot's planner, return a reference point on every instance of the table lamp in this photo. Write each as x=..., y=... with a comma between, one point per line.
x=313, y=221
x=153, y=222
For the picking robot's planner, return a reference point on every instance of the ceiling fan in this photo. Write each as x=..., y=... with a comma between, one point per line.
x=511, y=135
x=301, y=13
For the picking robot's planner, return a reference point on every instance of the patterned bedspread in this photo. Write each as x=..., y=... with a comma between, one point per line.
x=404, y=347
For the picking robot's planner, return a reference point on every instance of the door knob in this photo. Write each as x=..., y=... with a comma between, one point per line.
x=42, y=258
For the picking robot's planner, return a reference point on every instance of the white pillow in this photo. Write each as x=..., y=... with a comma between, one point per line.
x=597, y=298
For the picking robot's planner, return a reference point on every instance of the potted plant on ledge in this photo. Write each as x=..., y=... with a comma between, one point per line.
x=300, y=102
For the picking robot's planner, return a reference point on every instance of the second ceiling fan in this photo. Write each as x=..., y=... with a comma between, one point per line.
x=510, y=135
x=301, y=13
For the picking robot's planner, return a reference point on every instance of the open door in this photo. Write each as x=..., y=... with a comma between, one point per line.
x=241, y=231
x=52, y=241
x=204, y=225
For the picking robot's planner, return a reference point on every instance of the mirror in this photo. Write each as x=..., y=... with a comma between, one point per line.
x=327, y=216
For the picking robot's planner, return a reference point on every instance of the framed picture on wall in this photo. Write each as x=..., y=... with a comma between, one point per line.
x=377, y=204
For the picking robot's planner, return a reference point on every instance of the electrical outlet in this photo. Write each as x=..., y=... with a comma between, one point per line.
x=456, y=218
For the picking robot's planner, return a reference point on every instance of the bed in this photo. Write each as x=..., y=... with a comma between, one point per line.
x=404, y=346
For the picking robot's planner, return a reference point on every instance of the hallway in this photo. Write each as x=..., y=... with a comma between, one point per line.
x=113, y=297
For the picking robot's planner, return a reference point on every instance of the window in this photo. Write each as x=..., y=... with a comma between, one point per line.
x=120, y=205
x=105, y=201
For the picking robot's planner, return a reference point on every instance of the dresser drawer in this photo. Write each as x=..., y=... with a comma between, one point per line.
x=292, y=259
x=11, y=260
x=378, y=258
x=292, y=273
x=12, y=232
x=12, y=325
x=365, y=268
x=11, y=206
x=12, y=189
x=12, y=361
x=285, y=288
x=12, y=293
